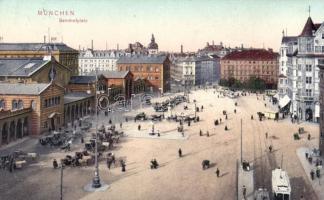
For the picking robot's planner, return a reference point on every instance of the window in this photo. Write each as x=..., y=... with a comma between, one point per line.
x=308, y=80
x=322, y=35
x=308, y=92
x=157, y=69
x=308, y=68
x=14, y=104
x=156, y=78
x=33, y=104
x=20, y=104
x=2, y=104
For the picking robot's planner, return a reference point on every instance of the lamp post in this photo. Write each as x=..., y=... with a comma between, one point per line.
x=96, y=179
x=132, y=95
x=195, y=108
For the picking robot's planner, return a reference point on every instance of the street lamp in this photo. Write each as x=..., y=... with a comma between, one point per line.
x=195, y=108
x=96, y=179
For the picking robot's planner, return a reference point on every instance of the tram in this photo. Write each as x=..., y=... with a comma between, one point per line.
x=281, y=188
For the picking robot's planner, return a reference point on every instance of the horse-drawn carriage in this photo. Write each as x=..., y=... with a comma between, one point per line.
x=156, y=117
x=55, y=139
x=141, y=116
x=261, y=115
x=205, y=164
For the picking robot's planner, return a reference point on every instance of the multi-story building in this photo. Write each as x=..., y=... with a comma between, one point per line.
x=302, y=73
x=247, y=63
x=64, y=54
x=207, y=69
x=105, y=60
x=321, y=104
x=288, y=44
x=155, y=69
x=196, y=70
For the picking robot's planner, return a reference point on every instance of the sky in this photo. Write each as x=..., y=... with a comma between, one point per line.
x=192, y=23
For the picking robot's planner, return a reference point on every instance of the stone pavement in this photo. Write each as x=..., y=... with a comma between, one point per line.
x=245, y=178
x=317, y=184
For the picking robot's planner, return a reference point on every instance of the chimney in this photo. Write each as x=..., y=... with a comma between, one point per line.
x=44, y=38
x=181, y=51
x=92, y=44
x=207, y=44
x=242, y=46
x=221, y=43
x=79, y=47
x=213, y=43
x=117, y=47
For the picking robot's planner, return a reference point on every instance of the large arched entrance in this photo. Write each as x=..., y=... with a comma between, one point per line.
x=12, y=131
x=25, y=127
x=19, y=129
x=309, y=114
x=5, y=133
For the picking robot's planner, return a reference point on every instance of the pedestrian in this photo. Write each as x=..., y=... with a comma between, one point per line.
x=265, y=105
x=270, y=148
x=312, y=174
x=180, y=152
x=244, y=191
x=220, y=120
x=235, y=111
x=82, y=140
x=318, y=173
x=226, y=128
x=108, y=162
x=226, y=116
x=126, y=119
x=123, y=165
x=309, y=137
x=200, y=133
x=266, y=135
x=110, y=122
x=217, y=172
x=139, y=127
x=121, y=125
x=55, y=165
x=207, y=133
x=251, y=117
x=158, y=133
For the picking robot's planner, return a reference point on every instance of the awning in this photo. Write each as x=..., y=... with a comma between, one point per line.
x=276, y=96
x=317, y=110
x=284, y=101
x=53, y=114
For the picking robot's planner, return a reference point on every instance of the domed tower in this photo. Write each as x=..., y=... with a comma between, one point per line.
x=153, y=47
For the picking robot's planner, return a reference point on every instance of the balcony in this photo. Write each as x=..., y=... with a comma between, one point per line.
x=304, y=98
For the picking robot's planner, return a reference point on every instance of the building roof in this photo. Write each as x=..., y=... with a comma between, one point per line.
x=251, y=54
x=309, y=28
x=36, y=47
x=142, y=59
x=288, y=39
x=82, y=79
x=23, y=89
x=114, y=74
x=21, y=66
x=75, y=96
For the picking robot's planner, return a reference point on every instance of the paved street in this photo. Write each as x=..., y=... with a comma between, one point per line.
x=176, y=178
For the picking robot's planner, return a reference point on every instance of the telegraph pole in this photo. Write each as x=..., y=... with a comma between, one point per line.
x=241, y=144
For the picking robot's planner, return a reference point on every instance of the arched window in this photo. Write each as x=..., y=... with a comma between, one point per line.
x=20, y=104
x=2, y=104
x=14, y=104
